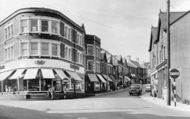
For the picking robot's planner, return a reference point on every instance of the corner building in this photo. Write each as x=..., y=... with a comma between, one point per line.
x=41, y=48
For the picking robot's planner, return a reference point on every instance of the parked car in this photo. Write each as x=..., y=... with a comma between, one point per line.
x=135, y=89
x=147, y=87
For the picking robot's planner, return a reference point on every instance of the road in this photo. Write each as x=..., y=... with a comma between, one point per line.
x=114, y=106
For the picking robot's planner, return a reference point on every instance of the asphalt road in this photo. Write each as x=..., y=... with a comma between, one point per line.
x=114, y=106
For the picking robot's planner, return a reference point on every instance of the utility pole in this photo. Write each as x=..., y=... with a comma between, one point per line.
x=168, y=61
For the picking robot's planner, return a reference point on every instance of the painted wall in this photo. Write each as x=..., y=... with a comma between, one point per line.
x=180, y=58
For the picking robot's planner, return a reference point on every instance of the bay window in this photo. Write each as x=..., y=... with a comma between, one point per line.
x=24, y=49
x=45, y=49
x=54, y=49
x=34, y=25
x=24, y=26
x=54, y=27
x=34, y=48
x=44, y=25
x=90, y=50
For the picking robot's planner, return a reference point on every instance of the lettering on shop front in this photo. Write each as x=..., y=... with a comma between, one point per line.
x=40, y=62
x=74, y=66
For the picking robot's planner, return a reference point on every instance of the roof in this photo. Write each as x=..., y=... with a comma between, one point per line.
x=153, y=37
x=162, y=22
x=131, y=64
x=40, y=9
x=136, y=63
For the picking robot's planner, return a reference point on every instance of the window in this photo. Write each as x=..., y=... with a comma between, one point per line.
x=65, y=31
x=69, y=34
x=34, y=25
x=11, y=30
x=70, y=54
x=90, y=50
x=90, y=65
x=45, y=48
x=24, y=49
x=24, y=26
x=54, y=27
x=6, y=34
x=66, y=52
x=34, y=48
x=44, y=25
x=54, y=50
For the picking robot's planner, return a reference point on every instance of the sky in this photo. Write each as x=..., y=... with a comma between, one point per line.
x=122, y=25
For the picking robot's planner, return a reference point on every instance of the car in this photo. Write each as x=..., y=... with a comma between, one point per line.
x=135, y=89
x=147, y=87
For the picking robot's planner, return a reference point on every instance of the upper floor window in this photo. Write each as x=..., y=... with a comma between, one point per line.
x=34, y=25
x=24, y=49
x=54, y=27
x=89, y=50
x=24, y=26
x=8, y=31
x=44, y=25
x=54, y=49
x=45, y=48
x=90, y=65
x=34, y=48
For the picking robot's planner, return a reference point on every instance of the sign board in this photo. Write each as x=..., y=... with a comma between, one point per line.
x=174, y=73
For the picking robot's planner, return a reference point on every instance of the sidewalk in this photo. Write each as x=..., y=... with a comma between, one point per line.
x=162, y=102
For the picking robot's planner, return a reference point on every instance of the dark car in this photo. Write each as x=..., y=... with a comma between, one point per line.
x=135, y=89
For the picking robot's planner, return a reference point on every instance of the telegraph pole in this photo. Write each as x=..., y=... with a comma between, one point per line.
x=168, y=61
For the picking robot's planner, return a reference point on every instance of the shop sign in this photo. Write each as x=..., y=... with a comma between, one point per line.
x=40, y=62
x=2, y=67
x=74, y=66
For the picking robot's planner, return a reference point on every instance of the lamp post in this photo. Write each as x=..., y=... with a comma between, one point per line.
x=168, y=61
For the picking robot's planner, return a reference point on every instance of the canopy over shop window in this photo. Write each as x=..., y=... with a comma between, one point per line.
x=93, y=78
x=101, y=78
x=31, y=73
x=5, y=75
x=48, y=73
x=61, y=74
x=17, y=74
x=107, y=78
x=74, y=75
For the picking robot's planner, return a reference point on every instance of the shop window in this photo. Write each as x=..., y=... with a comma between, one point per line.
x=24, y=26
x=54, y=49
x=90, y=50
x=44, y=25
x=24, y=49
x=34, y=25
x=45, y=48
x=54, y=27
x=34, y=48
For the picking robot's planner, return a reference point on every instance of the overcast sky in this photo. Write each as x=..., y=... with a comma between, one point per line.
x=123, y=25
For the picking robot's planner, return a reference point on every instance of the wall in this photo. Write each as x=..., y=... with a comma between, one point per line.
x=180, y=58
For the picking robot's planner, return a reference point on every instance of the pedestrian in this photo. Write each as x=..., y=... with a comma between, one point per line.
x=52, y=92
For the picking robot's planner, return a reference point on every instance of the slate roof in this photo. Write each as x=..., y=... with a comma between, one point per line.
x=162, y=23
x=153, y=37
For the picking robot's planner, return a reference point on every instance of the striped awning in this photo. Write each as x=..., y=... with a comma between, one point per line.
x=17, y=74
x=5, y=75
x=93, y=78
x=107, y=78
x=61, y=74
x=31, y=74
x=101, y=78
x=74, y=75
x=48, y=73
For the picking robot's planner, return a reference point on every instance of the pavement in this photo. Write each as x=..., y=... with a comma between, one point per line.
x=162, y=102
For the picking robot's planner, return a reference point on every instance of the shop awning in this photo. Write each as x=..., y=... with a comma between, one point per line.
x=74, y=75
x=93, y=78
x=5, y=75
x=127, y=78
x=31, y=73
x=48, y=73
x=60, y=73
x=17, y=74
x=112, y=77
x=101, y=78
x=107, y=78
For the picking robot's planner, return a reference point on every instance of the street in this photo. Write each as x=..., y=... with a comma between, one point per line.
x=113, y=106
